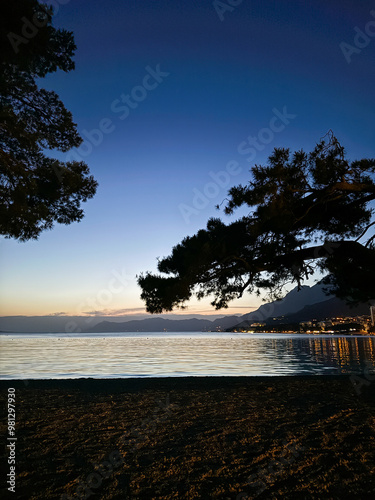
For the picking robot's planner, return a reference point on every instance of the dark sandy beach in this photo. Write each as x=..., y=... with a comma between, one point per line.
x=200, y=437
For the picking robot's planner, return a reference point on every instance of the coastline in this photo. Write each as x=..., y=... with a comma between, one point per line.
x=194, y=437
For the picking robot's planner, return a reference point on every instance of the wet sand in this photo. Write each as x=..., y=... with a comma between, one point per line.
x=198, y=437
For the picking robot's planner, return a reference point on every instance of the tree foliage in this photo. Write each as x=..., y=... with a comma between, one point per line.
x=36, y=190
x=307, y=212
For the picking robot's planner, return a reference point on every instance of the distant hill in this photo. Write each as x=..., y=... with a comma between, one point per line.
x=305, y=305
x=77, y=324
x=298, y=305
x=161, y=324
x=327, y=309
x=294, y=301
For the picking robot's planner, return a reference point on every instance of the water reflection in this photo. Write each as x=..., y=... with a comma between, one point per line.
x=174, y=354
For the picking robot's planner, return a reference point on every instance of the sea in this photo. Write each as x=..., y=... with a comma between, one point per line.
x=188, y=354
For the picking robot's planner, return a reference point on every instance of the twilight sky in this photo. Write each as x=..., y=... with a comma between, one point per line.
x=168, y=96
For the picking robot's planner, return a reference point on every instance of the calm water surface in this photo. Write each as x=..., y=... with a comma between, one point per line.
x=181, y=354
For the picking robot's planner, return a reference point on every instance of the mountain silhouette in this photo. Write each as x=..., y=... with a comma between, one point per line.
x=294, y=301
x=330, y=308
x=162, y=324
x=307, y=304
x=304, y=305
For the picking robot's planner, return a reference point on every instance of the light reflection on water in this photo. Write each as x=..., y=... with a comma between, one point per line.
x=181, y=354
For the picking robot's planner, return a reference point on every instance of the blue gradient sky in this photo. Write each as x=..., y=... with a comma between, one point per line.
x=225, y=78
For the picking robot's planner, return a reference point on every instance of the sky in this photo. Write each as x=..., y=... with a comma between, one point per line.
x=165, y=95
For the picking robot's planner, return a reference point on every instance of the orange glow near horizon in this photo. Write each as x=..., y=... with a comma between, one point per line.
x=41, y=310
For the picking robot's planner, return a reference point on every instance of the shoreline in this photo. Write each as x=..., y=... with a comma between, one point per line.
x=182, y=332
x=194, y=437
x=156, y=380
x=166, y=383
